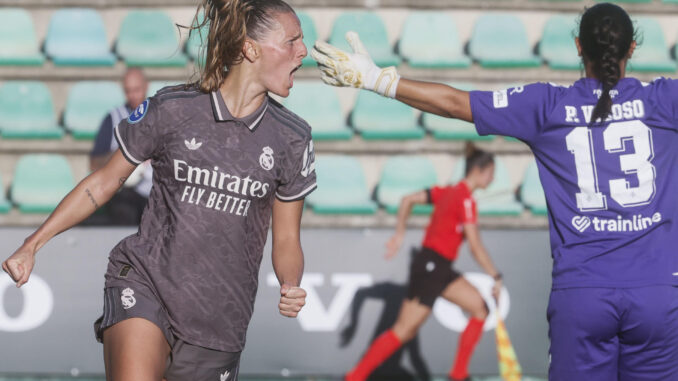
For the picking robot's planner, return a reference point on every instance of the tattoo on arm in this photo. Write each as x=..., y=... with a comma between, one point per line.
x=122, y=180
x=91, y=198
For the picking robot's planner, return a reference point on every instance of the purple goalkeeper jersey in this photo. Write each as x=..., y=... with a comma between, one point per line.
x=611, y=189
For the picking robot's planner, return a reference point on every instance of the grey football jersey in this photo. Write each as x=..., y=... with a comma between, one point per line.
x=201, y=238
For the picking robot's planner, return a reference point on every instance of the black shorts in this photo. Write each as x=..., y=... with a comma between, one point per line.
x=128, y=296
x=430, y=274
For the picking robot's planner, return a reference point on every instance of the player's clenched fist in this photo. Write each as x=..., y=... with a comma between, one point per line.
x=355, y=69
x=20, y=265
x=292, y=299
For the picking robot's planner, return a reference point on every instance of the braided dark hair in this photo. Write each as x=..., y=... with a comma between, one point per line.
x=605, y=35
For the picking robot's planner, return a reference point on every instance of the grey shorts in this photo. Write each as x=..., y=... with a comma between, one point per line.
x=129, y=297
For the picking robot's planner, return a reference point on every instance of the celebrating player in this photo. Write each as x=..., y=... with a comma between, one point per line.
x=226, y=158
x=431, y=273
x=606, y=152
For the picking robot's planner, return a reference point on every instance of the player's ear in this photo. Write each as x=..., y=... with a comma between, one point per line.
x=632, y=48
x=251, y=50
x=576, y=42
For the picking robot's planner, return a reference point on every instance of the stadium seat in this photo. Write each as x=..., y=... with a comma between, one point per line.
x=88, y=104
x=531, y=191
x=197, y=38
x=310, y=36
x=319, y=105
x=77, y=37
x=372, y=32
x=18, y=43
x=557, y=45
x=149, y=38
x=5, y=206
x=40, y=182
x=500, y=41
x=27, y=111
x=377, y=117
x=499, y=198
x=430, y=40
x=341, y=187
x=155, y=86
x=652, y=54
x=452, y=129
x=402, y=175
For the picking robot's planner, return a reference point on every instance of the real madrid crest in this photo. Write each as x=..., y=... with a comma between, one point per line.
x=266, y=159
x=127, y=298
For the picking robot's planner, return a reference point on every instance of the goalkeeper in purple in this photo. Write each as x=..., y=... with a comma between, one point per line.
x=228, y=162
x=606, y=149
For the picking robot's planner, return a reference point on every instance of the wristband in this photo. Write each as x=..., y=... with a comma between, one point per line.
x=498, y=277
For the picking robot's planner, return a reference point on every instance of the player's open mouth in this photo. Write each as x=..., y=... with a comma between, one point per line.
x=292, y=74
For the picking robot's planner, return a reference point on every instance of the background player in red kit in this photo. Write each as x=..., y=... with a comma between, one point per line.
x=431, y=273
x=227, y=160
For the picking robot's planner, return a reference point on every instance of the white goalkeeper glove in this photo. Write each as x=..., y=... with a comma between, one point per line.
x=355, y=69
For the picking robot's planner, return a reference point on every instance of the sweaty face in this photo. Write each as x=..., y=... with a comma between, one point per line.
x=282, y=50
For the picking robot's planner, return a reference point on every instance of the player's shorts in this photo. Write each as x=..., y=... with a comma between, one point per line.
x=128, y=296
x=625, y=334
x=430, y=274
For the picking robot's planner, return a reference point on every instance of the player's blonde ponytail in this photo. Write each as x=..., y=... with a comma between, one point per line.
x=230, y=23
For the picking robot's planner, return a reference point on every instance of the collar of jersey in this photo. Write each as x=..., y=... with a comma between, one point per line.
x=593, y=83
x=221, y=113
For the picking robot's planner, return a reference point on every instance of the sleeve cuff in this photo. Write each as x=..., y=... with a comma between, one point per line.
x=298, y=196
x=124, y=150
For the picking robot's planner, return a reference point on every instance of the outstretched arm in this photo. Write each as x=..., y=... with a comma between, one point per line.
x=288, y=258
x=404, y=211
x=92, y=192
x=357, y=70
x=482, y=257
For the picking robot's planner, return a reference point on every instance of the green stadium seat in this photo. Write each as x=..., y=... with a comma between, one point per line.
x=77, y=37
x=430, y=40
x=196, y=44
x=5, y=206
x=652, y=54
x=88, y=104
x=310, y=36
x=155, y=86
x=377, y=117
x=319, y=105
x=402, y=175
x=372, y=33
x=40, y=182
x=341, y=187
x=18, y=43
x=499, y=198
x=27, y=111
x=500, y=41
x=531, y=191
x=149, y=38
x=451, y=129
x=557, y=45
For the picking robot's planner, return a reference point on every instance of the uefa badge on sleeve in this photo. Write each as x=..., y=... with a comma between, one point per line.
x=139, y=113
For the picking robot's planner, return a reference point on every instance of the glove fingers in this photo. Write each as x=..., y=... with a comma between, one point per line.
x=330, y=51
x=321, y=58
x=329, y=80
x=354, y=40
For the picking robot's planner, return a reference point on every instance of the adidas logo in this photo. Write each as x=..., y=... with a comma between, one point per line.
x=192, y=145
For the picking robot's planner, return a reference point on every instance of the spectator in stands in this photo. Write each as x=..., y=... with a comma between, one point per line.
x=127, y=206
x=606, y=152
x=229, y=163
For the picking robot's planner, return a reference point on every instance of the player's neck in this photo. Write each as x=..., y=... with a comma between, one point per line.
x=470, y=183
x=242, y=94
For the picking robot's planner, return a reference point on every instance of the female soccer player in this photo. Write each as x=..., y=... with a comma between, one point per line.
x=226, y=158
x=606, y=152
x=431, y=273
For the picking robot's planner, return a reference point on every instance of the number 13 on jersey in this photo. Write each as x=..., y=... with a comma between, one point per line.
x=639, y=163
